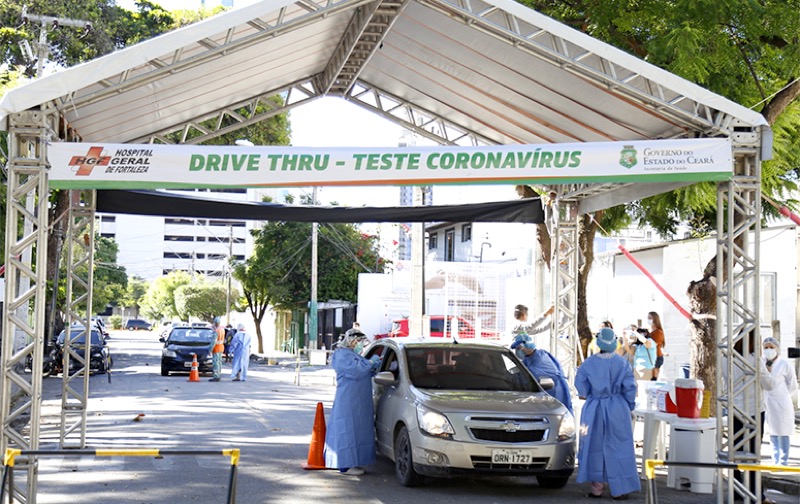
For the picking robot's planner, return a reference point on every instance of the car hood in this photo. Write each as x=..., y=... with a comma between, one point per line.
x=479, y=401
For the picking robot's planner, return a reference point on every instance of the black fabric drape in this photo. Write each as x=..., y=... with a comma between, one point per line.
x=180, y=205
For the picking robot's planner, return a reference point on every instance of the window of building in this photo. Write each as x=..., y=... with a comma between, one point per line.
x=238, y=257
x=450, y=244
x=108, y=235
x=433, y=241
x=216, y=256
x=466, y=232
x=177, y=255
x=108, y=218
x=233, y=223
x=178, y=238
x=182, y=222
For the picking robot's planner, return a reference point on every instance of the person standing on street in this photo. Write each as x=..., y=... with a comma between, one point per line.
x=780, y=411
x=217, y=350
x=350, y=437
x=606, y=449
x=240, y=345
x=657, y=335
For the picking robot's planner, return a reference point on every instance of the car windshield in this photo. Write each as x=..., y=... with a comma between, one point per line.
x=78, y=337
x=453, y=368
x=189, y=336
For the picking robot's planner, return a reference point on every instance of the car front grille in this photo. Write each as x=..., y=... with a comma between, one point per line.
x=479, y=462
x=503, y=436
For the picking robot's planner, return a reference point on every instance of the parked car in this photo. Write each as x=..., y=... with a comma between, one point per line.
x=137, y=325
x=181, y=343
x=100, y=360
x=461, y=408
x=438, y=326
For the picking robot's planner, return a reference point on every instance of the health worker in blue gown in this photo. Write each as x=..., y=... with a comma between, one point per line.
x=542, y=364
x=350, y=434
x=606, y=449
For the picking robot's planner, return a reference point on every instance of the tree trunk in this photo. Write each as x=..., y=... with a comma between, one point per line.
x=55, y=241
x=703, y=302
x=587, y=229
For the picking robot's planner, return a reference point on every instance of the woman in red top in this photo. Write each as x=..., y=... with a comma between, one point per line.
x=657, y=335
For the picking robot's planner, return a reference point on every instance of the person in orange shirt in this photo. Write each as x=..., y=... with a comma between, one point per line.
x=657, y=335
x=216, y=351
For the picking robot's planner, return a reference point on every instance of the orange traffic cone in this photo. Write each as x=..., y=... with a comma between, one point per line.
x=316, y=458
x=194, y=374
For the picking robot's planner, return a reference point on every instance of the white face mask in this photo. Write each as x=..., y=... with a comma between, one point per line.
x=650, y=321
x=770, y=353
x=359, y=347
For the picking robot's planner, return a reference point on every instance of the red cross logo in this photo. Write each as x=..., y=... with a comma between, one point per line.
x=86, y=163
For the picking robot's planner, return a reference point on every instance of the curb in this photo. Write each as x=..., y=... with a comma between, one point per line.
x=785, y=485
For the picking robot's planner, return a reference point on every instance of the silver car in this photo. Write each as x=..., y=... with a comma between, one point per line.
x=462, y=408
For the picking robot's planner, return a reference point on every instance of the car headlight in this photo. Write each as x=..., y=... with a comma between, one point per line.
x=566, y=430
x=169, y=353
x=434, y=423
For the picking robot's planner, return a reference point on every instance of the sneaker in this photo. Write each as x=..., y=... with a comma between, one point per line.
x=237, y=379
x=213, y=379
x=354, y=471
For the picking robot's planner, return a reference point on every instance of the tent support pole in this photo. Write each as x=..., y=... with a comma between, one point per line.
x=564, y=267
x=25, y=288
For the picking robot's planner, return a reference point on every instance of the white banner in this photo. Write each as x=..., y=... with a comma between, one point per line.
x=126, y=166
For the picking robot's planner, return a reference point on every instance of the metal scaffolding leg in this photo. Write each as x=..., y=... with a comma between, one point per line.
x=564, y=260
x=80, y=265
x=739, y=394
x=23, y=319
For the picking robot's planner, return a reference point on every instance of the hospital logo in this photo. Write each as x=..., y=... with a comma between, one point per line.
x=87, y=163
x=627, y=157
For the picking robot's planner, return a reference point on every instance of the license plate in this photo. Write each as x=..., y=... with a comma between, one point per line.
x=187, y=364
x=511, y=456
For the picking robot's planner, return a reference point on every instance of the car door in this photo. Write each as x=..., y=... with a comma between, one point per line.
x=384, y=397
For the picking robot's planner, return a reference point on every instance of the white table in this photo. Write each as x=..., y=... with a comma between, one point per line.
x=703, y=429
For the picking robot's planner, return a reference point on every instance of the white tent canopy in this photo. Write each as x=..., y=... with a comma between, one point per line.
x=520, y=77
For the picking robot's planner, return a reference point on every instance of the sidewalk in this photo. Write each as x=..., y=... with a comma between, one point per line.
x=788, y=483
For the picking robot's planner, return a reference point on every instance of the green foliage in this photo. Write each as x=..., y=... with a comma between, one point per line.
x=135, y=291
x=115, y=321
x=279, y=272
x=112, y=28
x=159, y=300
x=744, y=50
x=202, y=300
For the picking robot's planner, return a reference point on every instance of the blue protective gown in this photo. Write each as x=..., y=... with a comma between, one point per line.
x=350, y=433
x=542, y=364
x=606, y=449
x=240, y=346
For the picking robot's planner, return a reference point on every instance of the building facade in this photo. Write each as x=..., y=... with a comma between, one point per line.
x=153, y=246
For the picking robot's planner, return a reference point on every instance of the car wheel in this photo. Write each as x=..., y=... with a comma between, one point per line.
x=131, y=328
x=546, y=481
x=403, y=460
x=164, y=370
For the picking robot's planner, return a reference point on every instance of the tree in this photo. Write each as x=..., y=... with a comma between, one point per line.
x=202, y=300
x=134, y=292
x=110, y=279
x=279, y=271
x=159, y=300
x=746, y=51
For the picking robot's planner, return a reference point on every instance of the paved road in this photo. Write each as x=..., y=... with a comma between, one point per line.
x=267, y=417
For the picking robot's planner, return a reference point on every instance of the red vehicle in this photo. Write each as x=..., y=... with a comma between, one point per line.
x=438, y=325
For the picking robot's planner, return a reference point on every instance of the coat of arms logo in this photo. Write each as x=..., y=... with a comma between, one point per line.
x=627, y=157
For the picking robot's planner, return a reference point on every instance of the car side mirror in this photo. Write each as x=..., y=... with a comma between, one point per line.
x=161, y=339
x=547, y=383
x=385, y=378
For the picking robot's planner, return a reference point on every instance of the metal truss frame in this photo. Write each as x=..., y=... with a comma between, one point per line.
x=80, y=268
x=738, y=307
x=239, y=115
x=290, y=17
x=364, y=35
x=564, y=261
x=417, y=119
x=26, y=260
x=549, y=46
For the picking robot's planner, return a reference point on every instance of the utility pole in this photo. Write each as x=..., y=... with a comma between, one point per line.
x=55, y=23
x=313, y=331
x=230, y=274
